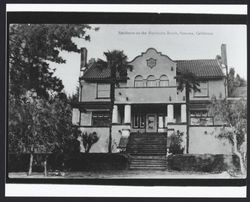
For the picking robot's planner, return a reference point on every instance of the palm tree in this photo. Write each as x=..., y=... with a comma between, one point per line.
x=188, y=81
x=117, y=62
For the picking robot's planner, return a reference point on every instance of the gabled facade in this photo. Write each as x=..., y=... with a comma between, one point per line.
x=148, y=102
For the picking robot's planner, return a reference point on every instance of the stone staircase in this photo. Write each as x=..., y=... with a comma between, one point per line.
x=147, y=151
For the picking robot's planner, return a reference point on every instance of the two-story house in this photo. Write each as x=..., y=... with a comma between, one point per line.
x=148, y=104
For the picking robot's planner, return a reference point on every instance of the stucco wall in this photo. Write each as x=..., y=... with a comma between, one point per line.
x=116, y=135
x=215, y=88
x=103, y=132
x=102, y=145
x=89, y=92
x=148, y=95
x=163, y=66
x=202, y=140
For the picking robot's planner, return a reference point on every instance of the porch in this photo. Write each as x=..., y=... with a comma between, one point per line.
x=149, y=118
x=147, y=128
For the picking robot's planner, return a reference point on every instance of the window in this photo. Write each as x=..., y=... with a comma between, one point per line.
x=164, y=81
x=139, y=120
x=100, y=118
x=203, y=90
x=103, y=90
x=151, y=81
x=139, y=81
x=200, y=117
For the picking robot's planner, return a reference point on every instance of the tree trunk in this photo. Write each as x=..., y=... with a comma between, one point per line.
x=237, y=153
x=31, y=163
x=112, y=100
x=87, y=149
x=110, y=130
x=45, y=167
x=188, y=116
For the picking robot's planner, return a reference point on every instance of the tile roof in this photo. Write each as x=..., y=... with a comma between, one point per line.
x=201, y=68
x=207, y=68
x=94, y=72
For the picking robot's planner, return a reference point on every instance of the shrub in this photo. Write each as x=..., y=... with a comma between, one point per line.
x=97, y=161
x=203, y=162
x=20, y=162
x=88, y=140
x=175, y=143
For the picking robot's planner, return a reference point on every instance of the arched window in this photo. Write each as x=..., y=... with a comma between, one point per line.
x=139, y=81
x=151, y=81
x=164, y=81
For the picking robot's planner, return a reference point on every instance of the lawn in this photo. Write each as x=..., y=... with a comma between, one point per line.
x=132, y=174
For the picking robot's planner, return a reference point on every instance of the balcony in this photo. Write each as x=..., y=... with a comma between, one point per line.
x=149, y=95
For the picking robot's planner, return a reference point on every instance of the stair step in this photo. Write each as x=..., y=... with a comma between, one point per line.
x=148, y=135
x=148, y=142
x=148, y=168
x=148, y=151
x=139, y=151
x=148, y=157
x=146, y=148
x=145, y=154
x=149, y=138
x=148, y=160
x=147, y=163
x=145, y=144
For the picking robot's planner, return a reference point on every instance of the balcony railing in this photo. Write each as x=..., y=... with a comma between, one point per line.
x=149, y=95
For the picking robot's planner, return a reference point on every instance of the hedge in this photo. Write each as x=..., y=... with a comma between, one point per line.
x=20, y=162
x=203, y=162
x=97, y=161
x=76, y=162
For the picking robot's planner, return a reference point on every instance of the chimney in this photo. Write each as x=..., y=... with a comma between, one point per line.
x=224, y=66
x=83, y=59
x=224, y=54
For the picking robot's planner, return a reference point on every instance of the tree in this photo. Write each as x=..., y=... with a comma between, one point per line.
x=234, y=81
x=117, y=61
x=188, y=81
x=75, y=96
x=37, y=125
x=88, y=140
x=39, y=113
x=31, y=47
x=234, y=115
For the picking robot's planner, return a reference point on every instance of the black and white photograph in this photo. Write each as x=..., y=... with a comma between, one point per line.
x=127, y=101
x=137, y=100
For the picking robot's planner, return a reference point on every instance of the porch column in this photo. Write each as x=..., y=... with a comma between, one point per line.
x=170, y=113
x=127, y=114
x=115, y=114
x=183, y=113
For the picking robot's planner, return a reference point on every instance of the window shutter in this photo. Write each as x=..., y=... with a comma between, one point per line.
x=75, y=116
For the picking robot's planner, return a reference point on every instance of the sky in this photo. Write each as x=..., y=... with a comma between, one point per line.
x=179, y=42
